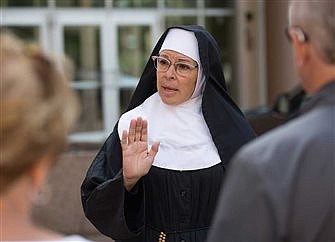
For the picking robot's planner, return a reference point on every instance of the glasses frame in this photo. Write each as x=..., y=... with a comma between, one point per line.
x=155, y=58
x=301, y=34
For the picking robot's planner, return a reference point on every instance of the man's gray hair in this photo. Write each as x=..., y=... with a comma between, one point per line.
x=317, y=19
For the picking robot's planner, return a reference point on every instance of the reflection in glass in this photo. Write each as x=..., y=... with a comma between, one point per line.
x=23, y=3
x=179, y=20
x=82, y=45
x=80, y=3
x=26, y=33
x=134, y=45
x=219, y=3
x=222, y=28
x=180, y=4
x=134, y=3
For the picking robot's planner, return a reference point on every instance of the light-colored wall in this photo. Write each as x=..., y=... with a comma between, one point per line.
x=281, y=75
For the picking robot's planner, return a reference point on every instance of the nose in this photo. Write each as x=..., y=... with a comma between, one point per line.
x=171, y=72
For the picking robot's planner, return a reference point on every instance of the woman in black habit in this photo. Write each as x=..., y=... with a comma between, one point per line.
x=158, y=175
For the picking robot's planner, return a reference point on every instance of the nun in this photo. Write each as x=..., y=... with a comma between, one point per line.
x=158, y=175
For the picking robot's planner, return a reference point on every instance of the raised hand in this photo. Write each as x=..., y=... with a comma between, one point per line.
x=137, y=160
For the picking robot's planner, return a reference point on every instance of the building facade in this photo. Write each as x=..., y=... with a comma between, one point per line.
x=109, y=42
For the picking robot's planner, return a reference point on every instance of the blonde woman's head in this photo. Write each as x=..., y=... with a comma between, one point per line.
x=37, y=108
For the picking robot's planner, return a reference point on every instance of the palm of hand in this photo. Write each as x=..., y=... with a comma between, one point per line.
x=137, y=160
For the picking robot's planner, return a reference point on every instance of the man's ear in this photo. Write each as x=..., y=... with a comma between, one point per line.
x=301, y=50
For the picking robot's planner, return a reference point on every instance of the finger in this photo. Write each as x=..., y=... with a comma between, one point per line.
x=124, y=138
x=131, y=134
x=144, y=133
x=154, y=149
x=138, y=129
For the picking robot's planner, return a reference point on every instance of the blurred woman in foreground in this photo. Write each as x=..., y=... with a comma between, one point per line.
x=37, y=110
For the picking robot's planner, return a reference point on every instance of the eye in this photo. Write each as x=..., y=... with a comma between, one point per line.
x=163, y=62
x=183, y=67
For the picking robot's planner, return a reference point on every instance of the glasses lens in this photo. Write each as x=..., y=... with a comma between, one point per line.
x=162, y=64
x=183, y=68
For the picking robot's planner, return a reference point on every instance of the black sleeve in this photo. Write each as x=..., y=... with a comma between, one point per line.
x=110, y=208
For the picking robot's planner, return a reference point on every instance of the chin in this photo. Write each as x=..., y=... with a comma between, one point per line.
x=168, y=102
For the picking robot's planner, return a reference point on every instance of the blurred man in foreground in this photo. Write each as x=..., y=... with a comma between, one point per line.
x=281, y=187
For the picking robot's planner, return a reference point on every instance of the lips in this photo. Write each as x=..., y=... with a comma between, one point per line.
x=169, y=88
x=168, y=91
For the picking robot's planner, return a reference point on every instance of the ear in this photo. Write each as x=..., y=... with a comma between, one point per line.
x=301, y=50
x=40, y=171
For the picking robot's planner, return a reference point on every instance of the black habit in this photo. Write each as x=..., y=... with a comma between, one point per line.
x=178, y=203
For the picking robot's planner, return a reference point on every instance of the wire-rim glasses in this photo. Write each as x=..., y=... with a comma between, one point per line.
x=182, y=68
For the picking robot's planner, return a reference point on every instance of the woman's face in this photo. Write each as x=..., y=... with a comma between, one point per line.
x=172, y=87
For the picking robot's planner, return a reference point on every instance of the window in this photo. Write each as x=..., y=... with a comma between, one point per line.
x=134, y=47
x=217, y=26
x=135, y=3
x=82, y=45
x=219, y=3
x=23, y=3
x=80, y=3
x=180, y=4
x=179, y=20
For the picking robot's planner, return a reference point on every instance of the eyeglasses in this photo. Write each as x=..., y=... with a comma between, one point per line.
x=301, y=35
x=182, y=68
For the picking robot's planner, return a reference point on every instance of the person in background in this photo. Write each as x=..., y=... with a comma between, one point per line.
x=37, y=110
x=158, y=175
x=281, y=187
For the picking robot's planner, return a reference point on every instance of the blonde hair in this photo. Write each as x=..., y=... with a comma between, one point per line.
x=37, y=108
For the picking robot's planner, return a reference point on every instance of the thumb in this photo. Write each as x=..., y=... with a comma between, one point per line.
x=154, y=149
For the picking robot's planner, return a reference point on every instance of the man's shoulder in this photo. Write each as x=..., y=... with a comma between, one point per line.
x=276, y=137
x=301, y=132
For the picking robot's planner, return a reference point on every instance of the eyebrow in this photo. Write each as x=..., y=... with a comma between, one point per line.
x=179, y=59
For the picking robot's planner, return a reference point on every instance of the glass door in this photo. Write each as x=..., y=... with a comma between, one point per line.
x=133, y=40
x=79, y=37
x=134, y=46
x=108, y=52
